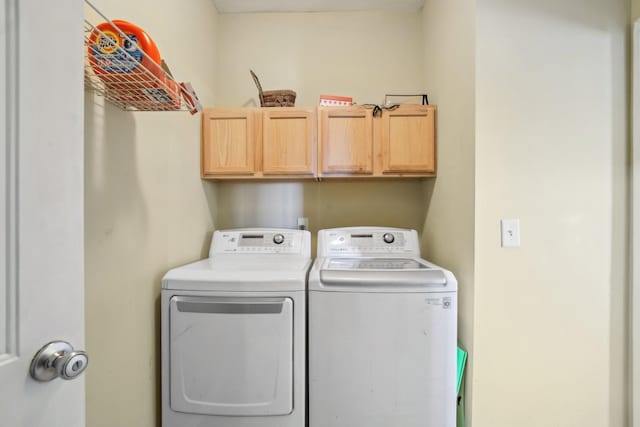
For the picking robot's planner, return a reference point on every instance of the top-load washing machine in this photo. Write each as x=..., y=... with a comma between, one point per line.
x=233, y=332
x=382, y=332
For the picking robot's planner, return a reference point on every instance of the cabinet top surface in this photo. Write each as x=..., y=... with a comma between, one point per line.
x=322, y=108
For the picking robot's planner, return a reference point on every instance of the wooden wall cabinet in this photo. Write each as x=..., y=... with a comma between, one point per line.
x=258, y=143
x=346, y=140
x=288, y=141
x=229, y=142
x=407, y=140
x=400, y=142
x=280, y=143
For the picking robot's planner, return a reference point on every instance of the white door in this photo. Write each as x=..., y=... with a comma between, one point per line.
x=41, y=206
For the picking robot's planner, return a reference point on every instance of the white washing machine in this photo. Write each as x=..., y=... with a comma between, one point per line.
x=233, y=333
x=382, y=332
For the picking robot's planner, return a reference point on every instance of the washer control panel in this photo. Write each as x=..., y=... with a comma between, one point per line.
x=257, y=242
x=361, y=240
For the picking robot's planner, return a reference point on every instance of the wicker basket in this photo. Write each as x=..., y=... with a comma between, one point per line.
x=274, y=98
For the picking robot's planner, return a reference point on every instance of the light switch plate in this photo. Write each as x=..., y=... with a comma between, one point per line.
x=510, y=233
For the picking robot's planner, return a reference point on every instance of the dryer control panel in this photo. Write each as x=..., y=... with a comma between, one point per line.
x=260, y=241
x=368, y=241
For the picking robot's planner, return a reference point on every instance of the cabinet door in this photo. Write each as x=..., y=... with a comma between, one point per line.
x=288, y=141
x=408, y=140
x=229, y=141
x=346, y=140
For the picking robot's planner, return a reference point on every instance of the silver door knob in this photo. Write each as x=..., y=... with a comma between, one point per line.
x=58, y=359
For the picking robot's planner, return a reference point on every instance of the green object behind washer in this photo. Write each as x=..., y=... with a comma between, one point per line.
x=462, y=361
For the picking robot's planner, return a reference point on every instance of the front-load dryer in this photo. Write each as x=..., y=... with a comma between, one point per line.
x=233, y=332
x=382, y=332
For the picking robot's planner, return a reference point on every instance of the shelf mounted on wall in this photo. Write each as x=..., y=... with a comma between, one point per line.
x=123, y=65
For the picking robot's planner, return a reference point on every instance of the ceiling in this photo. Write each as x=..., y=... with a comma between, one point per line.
x=249, y=6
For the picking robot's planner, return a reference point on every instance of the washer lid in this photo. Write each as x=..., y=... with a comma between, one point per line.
x=355, y=274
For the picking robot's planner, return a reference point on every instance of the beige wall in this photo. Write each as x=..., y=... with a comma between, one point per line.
x=543, y=88
x=326, y=204
x=448, y=231
x=146, y=211
x=551, y=149
x=358, y=54
x=635, y=10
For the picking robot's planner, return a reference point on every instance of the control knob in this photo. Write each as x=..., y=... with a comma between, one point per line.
x=278, y=239
x=388, y=238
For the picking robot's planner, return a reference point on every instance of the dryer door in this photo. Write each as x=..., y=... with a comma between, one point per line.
x=231, y=356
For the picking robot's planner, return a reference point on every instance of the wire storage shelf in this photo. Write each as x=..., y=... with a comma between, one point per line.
x=118, y=68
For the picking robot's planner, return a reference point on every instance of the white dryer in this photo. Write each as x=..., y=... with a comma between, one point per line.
x=382, y=332
x=233, y=332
